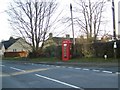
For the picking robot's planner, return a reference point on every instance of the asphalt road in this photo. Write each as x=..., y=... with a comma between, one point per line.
x=30, y=75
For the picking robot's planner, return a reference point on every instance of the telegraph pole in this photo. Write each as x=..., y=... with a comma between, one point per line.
x=114, y=29
x=72, y=24
x=72, y=29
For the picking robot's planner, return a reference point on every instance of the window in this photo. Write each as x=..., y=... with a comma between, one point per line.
x=65, y=50
x=14, y=50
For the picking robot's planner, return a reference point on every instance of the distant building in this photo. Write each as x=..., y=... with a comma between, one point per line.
x=16, y=47
x=56, y=41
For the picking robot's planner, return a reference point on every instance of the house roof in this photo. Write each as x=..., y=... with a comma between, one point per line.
x=59, y=40
x=9, y=42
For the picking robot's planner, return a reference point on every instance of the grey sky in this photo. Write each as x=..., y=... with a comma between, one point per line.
x=6, y=32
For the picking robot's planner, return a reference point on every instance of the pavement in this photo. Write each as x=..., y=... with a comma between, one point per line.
x=81, y=64
x=107, y=65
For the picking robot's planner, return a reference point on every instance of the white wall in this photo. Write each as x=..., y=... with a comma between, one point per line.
x=2, y=50
x=19, y=45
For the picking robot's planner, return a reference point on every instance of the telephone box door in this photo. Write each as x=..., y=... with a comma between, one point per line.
x=66, y=46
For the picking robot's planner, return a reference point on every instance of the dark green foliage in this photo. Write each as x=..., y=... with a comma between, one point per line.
x=50, y=51
x=106, y=48
x=98, y=49
x=59, y=52
x=78, y=50
x=36, y=54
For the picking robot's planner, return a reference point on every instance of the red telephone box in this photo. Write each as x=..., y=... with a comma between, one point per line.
x=66, y=50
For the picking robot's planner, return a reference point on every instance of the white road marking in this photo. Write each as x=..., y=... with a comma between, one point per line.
x=17, y=69
x=33, y=64
x=107, y=71
x=2, y=65
x=4, y=75
x=51, y=79
x=96, y=70
x=70, y=67
x=52, y=65
x=85, y=69
x=63, y=66
x=117, y=73
x=58, y=66
x=77, y=68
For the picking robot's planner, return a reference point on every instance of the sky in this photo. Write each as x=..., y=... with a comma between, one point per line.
x=6, y=31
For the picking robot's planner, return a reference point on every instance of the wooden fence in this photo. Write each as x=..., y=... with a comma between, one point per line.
x=16, y=54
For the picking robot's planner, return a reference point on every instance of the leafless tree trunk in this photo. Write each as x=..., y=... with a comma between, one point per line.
x=91, y=17
x=31, y=20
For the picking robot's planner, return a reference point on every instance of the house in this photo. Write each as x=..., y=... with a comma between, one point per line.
x=16, y=47
x=52, y=41
x=56, y=41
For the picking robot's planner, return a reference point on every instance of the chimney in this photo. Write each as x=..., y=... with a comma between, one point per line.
x=50, y=35
x=67, y=36
x=11, y=38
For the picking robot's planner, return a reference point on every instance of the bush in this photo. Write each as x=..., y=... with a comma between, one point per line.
x=98, y=49
x=78, y=51
x=50, y=51
x=106, y=48
x=36, y=54
x=59, y=52
x=54, y=51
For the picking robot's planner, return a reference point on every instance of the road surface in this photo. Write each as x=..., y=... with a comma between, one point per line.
x=30, y=75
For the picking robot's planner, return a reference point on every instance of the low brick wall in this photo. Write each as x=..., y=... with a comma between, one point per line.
x=16, y=54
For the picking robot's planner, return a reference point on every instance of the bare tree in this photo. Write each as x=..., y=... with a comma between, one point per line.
x=90, y=17
x=32, y=20
x=87, y=17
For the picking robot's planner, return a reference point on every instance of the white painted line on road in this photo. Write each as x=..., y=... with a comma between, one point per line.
x=33, y=64
x=17, y=69
x=70, y=67
x=96, y=70
x=107, y=71
x=2, y=65
x=4, y=75
x=77, y=68
x=117, y=73
x=58, y=66
x=52, y=65
x=51, y=79
x=85, y=69
x=63, y=66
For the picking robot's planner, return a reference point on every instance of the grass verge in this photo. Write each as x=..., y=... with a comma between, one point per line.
x=53, y=59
